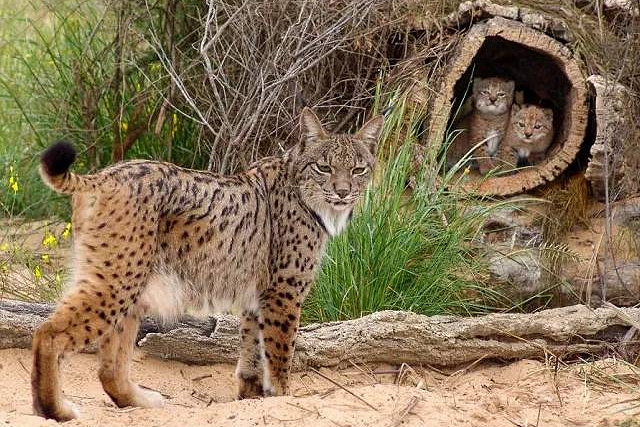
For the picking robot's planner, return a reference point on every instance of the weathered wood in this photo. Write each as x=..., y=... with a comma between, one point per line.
x=27, y=316
x=606, y=169
x=470, y=12
x=629, y=7
x=386, y=337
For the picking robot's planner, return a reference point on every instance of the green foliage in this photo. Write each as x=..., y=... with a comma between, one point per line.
x=33, y=261
x=81, y=72
x=405, y=250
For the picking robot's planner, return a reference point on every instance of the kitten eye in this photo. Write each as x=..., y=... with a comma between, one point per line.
x=484, y=92
x=358, y=171
x=537, y=126
x=323, y=168
x=501, y=94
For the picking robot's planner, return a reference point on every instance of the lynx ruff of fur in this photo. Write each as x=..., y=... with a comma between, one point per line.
x=492, y=98
x=150, y=237
x=528, y=136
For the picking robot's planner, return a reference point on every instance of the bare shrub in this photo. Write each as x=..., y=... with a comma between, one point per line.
x=239, y=73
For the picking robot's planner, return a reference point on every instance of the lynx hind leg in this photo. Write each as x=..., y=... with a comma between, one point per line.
x=116, y=351
x=250, y=370
x=76, y=323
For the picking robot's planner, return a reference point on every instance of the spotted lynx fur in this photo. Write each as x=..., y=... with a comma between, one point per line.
x=528, y=136
x=150, y=237
x=487, y=122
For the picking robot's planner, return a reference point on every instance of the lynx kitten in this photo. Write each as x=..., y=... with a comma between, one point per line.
x=153, y=237
x=528, y=136
x=492, y=99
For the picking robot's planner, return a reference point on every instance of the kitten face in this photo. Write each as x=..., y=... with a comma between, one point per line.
x=533, y=128
x=493, y=95
x=334, y=170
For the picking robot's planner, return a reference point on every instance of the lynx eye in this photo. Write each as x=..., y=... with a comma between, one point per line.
x=358, y=171
x=485, y=92
x=323, y=168
x=501, y=94
x=537, y=126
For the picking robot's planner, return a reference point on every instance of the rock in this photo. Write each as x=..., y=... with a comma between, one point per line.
x=520, y=271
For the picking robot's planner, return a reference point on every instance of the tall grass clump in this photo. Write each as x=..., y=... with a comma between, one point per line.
x=81, y=71
x=405, y=249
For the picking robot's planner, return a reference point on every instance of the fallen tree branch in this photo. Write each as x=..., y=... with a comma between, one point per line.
x=385, y=337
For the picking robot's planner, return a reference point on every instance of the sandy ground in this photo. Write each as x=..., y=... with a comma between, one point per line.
x=525, y=393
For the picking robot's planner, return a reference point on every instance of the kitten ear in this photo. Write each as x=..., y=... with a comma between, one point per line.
x=476, y=83
x=515, y=108
x=518, y=97
x=310, y=125
x=370, y=132
x=548, y=113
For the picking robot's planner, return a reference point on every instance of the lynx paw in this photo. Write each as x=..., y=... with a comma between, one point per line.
x=250, y=387
x=70, y=411
x=146, y=398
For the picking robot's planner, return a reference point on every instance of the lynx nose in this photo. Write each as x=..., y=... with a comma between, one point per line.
x=342, y=192
x=528, y=133
x=493, y=99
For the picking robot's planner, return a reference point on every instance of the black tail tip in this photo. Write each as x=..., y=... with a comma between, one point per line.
x=57, y=158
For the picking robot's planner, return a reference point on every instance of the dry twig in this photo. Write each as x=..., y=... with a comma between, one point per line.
x=344, y=388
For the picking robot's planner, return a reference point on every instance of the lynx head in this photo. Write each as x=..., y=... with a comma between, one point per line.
x=533, y=128
x=334, y=169
x=493, y=95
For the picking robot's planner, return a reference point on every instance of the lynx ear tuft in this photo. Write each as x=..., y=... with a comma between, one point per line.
x=310, y=125
x=370, y=132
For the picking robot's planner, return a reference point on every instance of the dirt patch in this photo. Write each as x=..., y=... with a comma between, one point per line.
x=525, y=393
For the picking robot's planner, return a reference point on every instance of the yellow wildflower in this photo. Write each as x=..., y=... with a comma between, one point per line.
x=45, y=257
x=67, y=231
x=49, y=240
x=174, y=125
x=124, y=126
x=4, y=247
x=467, y=170
x=4, y=268
x=13, y=180
x=13, y=184
x=37, y=272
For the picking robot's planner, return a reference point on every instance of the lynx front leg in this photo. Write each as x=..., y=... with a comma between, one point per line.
x=250, y=370
x=487, y=156
x=281, y=317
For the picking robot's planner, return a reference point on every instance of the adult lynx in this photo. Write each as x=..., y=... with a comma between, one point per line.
x=153, y=237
